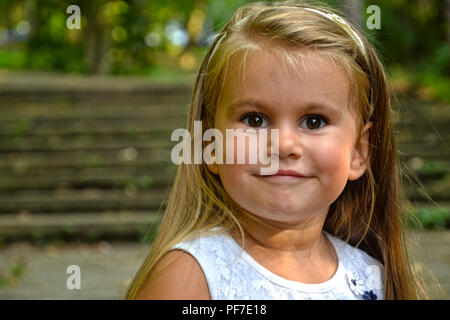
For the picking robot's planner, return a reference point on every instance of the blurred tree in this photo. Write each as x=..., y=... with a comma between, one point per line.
x=96, y=36
x=410, y=30
x=5, y=19
x=48, y=46
x=137, y=36
x=447, y=19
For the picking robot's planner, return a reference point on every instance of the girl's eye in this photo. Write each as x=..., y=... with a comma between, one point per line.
x=313, y=122
x=255, y=120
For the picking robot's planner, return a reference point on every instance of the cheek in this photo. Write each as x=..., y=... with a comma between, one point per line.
x=332, y=156
x=230, y=174
x=234, y=180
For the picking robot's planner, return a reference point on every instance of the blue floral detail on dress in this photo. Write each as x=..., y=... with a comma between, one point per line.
x=356, y=284
x=369, y=295
x=359, y=287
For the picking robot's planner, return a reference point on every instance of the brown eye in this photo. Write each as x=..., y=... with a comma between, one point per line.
x=314, y=122
x=255, y=120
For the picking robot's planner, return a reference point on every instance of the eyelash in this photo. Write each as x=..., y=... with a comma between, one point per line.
x=308, y=116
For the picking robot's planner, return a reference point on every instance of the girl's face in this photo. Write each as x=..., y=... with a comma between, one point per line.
x=317, y=134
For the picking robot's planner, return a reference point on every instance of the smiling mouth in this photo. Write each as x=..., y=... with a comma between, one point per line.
x=285, y=174
x=278, y=178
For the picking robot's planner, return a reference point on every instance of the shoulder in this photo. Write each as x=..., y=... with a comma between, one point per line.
x=177, y=276
x=186, y=271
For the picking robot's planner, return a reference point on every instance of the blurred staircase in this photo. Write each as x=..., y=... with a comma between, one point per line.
x=423, y=136
x=88, y=158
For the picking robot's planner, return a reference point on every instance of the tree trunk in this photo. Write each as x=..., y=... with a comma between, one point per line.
x=447, y=19
x=96, y=38
x=31, y=12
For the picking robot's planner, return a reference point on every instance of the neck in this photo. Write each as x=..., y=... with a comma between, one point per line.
x=301, y=238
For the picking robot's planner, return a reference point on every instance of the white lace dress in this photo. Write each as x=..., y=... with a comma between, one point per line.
x=232, y=274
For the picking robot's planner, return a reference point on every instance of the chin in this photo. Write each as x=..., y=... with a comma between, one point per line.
x=286, y=216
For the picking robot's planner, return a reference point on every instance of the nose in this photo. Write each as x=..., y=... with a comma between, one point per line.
x=289, y=145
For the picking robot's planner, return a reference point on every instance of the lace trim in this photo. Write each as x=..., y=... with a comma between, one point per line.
x=233, y=274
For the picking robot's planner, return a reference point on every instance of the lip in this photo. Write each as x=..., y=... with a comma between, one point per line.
x=285, y=173
x=284, y=177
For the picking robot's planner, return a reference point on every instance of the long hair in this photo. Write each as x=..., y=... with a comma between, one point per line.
x=368, y=213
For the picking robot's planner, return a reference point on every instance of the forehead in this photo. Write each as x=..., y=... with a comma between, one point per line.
x=307, y=78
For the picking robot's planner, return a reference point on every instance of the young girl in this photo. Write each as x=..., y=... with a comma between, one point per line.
x=328, y=225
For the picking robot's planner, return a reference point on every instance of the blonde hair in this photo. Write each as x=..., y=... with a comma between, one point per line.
x=368, y=212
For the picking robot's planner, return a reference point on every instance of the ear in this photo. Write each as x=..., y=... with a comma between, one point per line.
x=357, y=163
x=213, y=168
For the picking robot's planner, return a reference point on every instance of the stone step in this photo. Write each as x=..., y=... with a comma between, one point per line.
x=180, y=99
x=80, y=157
x=70, y=200
x=99, y=225
x=22, y=161
x=81, y=93
x=435, y=151
x=90, y=110
x=120, y=177
x=69, y=171
x=83, y=127
x=412, y=133
x=33, y=123
x=430, y=169
x=410, y=109
x=92, y=178
x=105, y=125
x=437, y=190
x=62, y=162
x=177, y=104
x=23, y=143
x=86, y=226
x=137, y=193
x=23, y=168
x=86, y=143
x=156, y=140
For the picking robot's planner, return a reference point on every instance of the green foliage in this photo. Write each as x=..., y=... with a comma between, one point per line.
x=48, y=47
x=435, y=72
x=433, y=168
x=132, y=37
x=430, y=217
x=12, y=59
x=411, y=29
x=413, y=39
x=146, y=181
x=94, y=160
x=11, y=274
x=17, y=129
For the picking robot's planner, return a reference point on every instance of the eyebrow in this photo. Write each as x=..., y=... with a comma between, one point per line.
x=309, y=107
